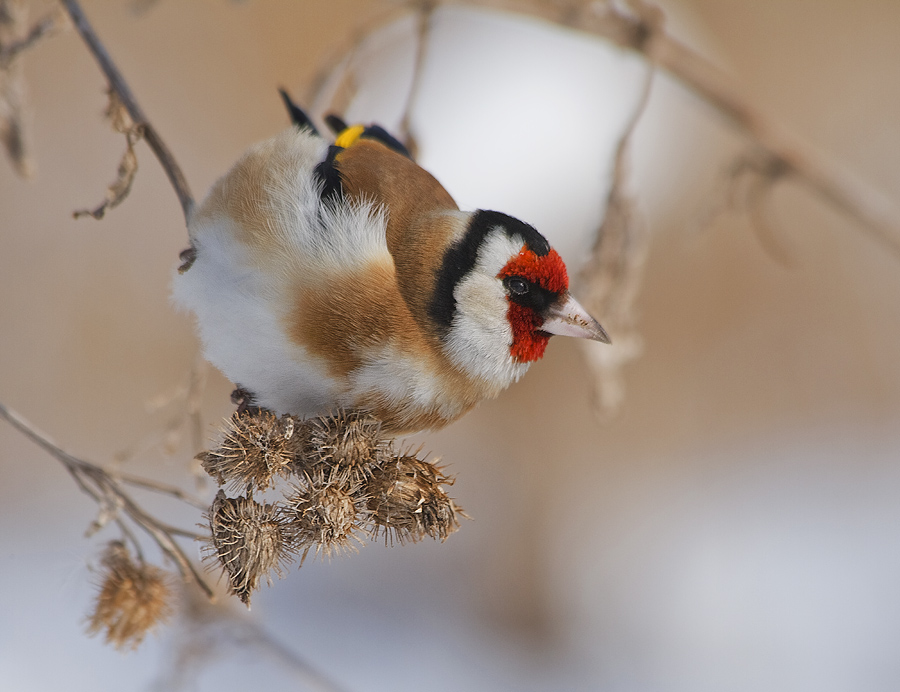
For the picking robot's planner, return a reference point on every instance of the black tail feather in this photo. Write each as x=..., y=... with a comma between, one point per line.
x=336, y=123
x=328, y=173
x=379, y=134
x=298, y=117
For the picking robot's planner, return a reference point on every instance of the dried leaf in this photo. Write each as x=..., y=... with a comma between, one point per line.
x=121, y=186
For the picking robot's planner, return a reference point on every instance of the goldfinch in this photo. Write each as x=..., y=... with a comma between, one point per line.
x=326, y=276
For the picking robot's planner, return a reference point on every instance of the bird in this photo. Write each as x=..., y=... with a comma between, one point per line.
x=328, y=275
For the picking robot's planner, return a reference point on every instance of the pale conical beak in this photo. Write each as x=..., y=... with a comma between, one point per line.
x=570, y=319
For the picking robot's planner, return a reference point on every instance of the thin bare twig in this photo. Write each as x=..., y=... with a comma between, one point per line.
x=120, y=87
x=745, y=187
x=41, y=29
x=108, y=493
x=789, y=157
x=163, y=488
x=332, y=88
x=15, y=135
x=128, y=166
x=129, y=534
x=187, y=419
x=423, y=32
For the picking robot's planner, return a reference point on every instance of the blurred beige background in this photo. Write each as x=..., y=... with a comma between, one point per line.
x=736, y=527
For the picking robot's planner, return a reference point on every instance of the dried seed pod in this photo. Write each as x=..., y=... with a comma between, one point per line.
x=348, y=442
x=248, y=540
x=407, y=502
x=322, y=516
x=257, y=447
x=134, y=598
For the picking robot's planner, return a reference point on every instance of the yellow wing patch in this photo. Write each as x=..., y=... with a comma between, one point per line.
x=349, y=136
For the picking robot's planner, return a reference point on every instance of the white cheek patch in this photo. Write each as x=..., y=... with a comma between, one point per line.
x=480, y=335
x=482, y=301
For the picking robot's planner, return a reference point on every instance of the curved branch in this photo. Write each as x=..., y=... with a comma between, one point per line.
x=636, y=25
x=107, y=492
x=43, y=28
x=118, y=84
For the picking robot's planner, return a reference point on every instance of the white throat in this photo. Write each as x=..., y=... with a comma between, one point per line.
x=480, y=336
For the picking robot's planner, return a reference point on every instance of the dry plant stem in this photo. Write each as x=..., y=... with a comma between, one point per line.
x=135, y=543
x=120, y=188
x=120, y=87
x=787, y=156
x=165, y=489
x=43, y=28
x=620, y=212
x=423, y=31
x=15, y=136
x=338, y=97
x=620, y=162
x=637, y=28
x=107, y=492
x=187, y=419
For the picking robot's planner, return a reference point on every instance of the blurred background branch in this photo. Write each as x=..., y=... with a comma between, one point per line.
x=123, y=93
x=740, y=507
x=106, y=490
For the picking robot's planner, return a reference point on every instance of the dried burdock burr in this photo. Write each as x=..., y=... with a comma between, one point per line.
x=407, y=502
x=256, y=448
x=349, y=443
x=323, y=516
x=346, y=480
x=134, y=598
x=248, y=539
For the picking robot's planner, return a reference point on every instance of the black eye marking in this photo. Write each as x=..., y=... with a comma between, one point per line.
x=529, y=294
x=516, y=285
x=460, y=259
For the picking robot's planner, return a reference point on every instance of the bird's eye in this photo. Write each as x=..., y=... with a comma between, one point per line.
x=516, y=285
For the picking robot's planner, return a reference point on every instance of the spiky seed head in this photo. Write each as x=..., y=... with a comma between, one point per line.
x=257, y=446
x=323, y=517
x=407, y=502
x=349, y=442
x=134, y=599
x=248, y=540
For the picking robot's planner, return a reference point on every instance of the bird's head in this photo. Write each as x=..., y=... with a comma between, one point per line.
x=501, y=292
